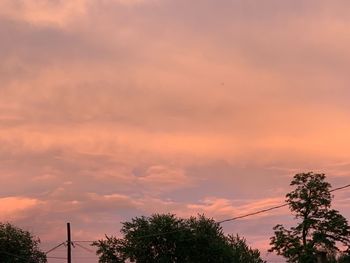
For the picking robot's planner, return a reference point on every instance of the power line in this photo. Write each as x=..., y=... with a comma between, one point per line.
x=251, y=214
x=74, y=257
x=57, y=257
x=85, y=248
x=235, y=218
x=219, y=222
x=272, y=208
x=340, y=188
x=52, y=249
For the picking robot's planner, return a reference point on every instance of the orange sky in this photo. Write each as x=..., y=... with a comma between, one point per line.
x=111, y=109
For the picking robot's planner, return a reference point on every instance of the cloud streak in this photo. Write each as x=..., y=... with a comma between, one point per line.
x=113, y=109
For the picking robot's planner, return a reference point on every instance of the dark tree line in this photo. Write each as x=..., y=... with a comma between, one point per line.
x=166, y=238
x=320, y=231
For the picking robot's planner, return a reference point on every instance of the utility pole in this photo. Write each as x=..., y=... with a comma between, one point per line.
x=69, y=245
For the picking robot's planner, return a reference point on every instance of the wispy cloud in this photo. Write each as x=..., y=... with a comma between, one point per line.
x=111, y=109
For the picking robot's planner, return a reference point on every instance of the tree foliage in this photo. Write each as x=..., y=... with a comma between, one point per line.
x=110, y=250
x=19, y=246
x=241, y=252
x=344, y=258
x=320, y=228
x=164, y=238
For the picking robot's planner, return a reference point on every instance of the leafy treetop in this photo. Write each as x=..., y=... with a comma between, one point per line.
x=19, y=246
x=319, y=227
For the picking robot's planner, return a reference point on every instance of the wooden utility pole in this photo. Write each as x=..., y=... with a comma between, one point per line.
x=69, y=245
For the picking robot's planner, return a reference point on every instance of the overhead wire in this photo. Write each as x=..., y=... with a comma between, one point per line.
x=340, y=188
x=52, y=249
x=85, y=248
x=57, y=257
x=83, y=241
x=241, y=216
x=76, y=242
x=273, y=208
x=253, y=213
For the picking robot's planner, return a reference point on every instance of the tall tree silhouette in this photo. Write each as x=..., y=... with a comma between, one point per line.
x=319, y=227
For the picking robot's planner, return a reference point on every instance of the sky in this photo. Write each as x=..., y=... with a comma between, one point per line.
x=111, y=109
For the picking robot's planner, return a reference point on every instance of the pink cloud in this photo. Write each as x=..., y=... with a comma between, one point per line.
x=221, y=208
x=43, y=12
x=14, y=207
x=113, y=109
x=161, y=178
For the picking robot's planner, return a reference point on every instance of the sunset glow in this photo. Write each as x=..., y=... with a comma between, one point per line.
x=111, y=109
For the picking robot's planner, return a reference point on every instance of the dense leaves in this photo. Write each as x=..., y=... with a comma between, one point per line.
x=110, y=250
x=167, y=239
x=319, y=229
x=345, y=258
x=19, y=246
x=241, y=252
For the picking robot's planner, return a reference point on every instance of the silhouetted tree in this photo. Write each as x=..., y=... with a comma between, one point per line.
x=19, y=246
x=242, y=252
x=110, y=250
x=319, y=228
x=168, y=239
x=344, y=258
